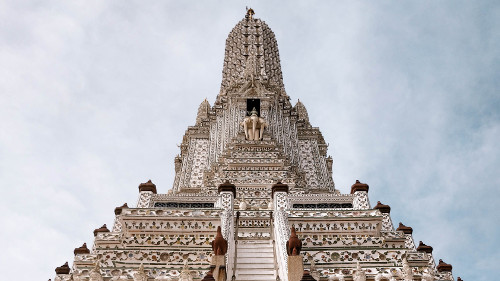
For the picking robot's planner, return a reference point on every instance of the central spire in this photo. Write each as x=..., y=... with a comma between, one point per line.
x=250, y=13
x=251, y=58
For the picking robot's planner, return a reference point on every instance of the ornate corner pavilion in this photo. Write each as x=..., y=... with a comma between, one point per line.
x=254, y=166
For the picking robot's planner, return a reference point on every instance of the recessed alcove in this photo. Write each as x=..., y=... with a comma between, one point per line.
x=251, y=103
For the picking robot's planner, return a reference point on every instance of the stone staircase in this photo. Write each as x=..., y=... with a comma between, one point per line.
x=255, y=261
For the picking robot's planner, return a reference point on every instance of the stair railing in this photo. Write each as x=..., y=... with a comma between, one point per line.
x=281, y=232
x=276, y=266
x=235, y=260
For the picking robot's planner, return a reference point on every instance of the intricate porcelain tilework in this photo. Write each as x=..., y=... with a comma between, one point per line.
x=144, y=199
x=361, y=201
x=387, y=223
x=180, y=228
x=199, y=164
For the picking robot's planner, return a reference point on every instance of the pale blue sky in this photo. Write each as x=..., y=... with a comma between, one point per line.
x=95, y=95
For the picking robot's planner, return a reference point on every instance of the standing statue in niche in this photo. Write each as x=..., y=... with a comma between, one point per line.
x=428, y=275
x=140, y=275
x=407, y=272
x=95, y=273
x=254, y=126
x=337, y=276
x=185, y=273
x=359, y=275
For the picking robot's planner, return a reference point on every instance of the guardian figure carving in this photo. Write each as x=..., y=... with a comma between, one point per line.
x=219, y=245
x=293, y=245
x=254, y=126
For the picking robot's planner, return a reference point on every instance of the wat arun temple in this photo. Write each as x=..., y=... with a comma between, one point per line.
x=253, y=197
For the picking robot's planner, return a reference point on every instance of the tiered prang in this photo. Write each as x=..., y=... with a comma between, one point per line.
x=253, y=197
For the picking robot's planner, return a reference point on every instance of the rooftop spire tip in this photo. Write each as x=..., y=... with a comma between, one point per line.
x=250, y=13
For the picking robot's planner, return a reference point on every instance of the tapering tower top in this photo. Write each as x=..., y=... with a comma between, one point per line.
x=251, y=58
x=250, y=13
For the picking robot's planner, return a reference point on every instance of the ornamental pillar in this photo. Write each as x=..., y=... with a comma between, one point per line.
x=146, y=191
x=117, y=226
x=227, y=193
x=408, y=231
x=281, y=227
x=386, y=213
x=361, y=200
x=63, y=272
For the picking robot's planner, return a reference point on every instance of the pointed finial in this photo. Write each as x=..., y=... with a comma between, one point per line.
x=250, y=13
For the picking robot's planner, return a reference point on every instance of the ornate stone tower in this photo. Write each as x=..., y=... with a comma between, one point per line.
x=254, y=166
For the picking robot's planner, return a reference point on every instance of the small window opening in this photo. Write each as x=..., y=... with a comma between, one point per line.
x=253, y=103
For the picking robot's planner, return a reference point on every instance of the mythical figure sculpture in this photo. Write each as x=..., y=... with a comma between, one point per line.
x=336, y=276
x=219, y=245
x=163, y=278
x=360, y=274
x=77, y=274
x=254, y=126
x=428, y=275
x=243, y=204
x=407, y=273
x=95, y=273
x=293, y=245
x=117, y=276
x=186, y=273
x=77, y=277
x=314, y=270
x=385, y=276
x=140, y=275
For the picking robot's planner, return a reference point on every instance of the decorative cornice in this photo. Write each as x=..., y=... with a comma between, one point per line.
x=147, y=186
x=227, y=187
x=384, y=209
x=424, y=248
x=82, y=250
x=279, y=187
x=63, y=269
x=444, y=267
x=358, y=186
x=118, y=210
x=405, y=229
x=101, y=229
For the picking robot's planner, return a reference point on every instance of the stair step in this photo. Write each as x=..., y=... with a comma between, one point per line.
x=269, y=279
x=258, y=244
x=255, y=271
x=248, y=277
x=242, y=254
x=256, y=250
x=255, y=260
x=255, y=265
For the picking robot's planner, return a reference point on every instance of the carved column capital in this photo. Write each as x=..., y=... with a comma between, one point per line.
x=279, y=187
x=227, y=187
